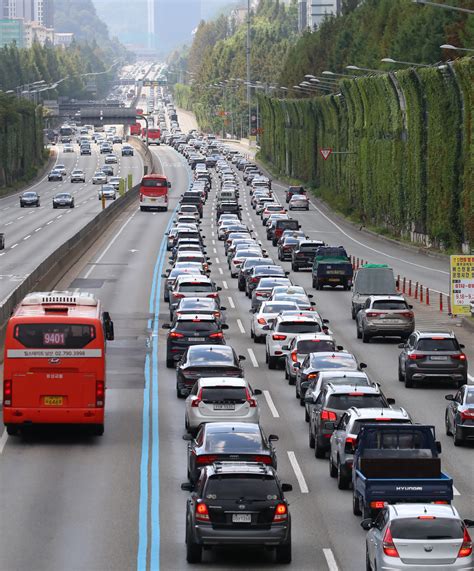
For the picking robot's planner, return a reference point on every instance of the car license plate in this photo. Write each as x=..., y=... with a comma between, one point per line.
x=53, y=401
x=153, y=199
x=224, y=407
x=333, y=279
x=198, y=338
x=438, y=358
x=241, y=518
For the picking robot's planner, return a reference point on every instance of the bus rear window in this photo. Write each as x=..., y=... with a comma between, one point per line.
x=54, y=335
x=154, y=182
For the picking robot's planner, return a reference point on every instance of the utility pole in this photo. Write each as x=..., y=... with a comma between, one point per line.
x=249, y=102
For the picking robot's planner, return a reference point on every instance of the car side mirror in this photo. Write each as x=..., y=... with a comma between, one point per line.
x=438, y=446
x=224, y=326
x=187, y=487
x=166, y=326
x=401, y=345
x=187, y=437
x=312, y=303
x=339, y=347
x=462, y=346
x=287, y=273
x=362, y=365
x=218, y=288
x=367, y=524
x=289, y=488
x=296, y=365
x=469, y=522
x=308, y=399
x=257, y=392
x=325, y=320
x=449, y=397
x=273, y=438
x=310, y=296
x=410, y=307
x=169, y=184
x=391, y=401
x=242, y=358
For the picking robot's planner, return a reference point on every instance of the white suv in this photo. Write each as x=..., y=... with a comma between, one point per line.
x=221, y=399
x=282, y=332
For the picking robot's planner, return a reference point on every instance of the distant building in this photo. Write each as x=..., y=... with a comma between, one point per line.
x=44, y=12
x=11, y=30
x=35, y=32
x=41, y=11
x=302, y=15
x=318, y=10
x=63, y=39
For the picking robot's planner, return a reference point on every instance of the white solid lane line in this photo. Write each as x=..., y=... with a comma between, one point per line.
x=298, y=473
x=330, y=560
x=271, y=404
x=241, y=327
x=252, y=357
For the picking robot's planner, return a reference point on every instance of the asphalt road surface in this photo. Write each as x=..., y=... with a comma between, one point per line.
x=114, y=503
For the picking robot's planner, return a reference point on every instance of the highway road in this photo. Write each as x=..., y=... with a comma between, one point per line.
x=115, y=502
x=33, y=233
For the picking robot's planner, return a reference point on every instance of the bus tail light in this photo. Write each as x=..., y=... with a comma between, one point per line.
x=7, y=392
x=99, y=394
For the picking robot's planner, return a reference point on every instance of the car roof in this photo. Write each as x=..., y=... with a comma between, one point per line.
x=378, y=412
x=343, y=389
x=414, y=510
x=387, y=297
x=310, y=336
x=194, y=278
x=222, y=382
x=244, y=468
x=196, y=317
x=429, y=334
x=296, y=318
x=340, y=374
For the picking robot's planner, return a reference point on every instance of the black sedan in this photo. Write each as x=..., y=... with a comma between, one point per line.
x=234, y=441
x=187, y=330
x=206, y=361
x=459, y=416
x=55, y=175
x=29, y=198
x=63, y=200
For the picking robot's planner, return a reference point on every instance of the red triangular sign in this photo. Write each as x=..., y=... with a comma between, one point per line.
x=325, y=153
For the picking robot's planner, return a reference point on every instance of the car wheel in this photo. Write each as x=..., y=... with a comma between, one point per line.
x=356, y=505
x=353, y=312
x=401, y=378
x=458, y=441
x=170, y=363
x=286, y=374
x=332, y=468
x=12, y=429
x=365, y=337
x=343, y=479
x=319, y=451
x=252, y=335
x=368, y=566
x=409, y=384
x=294, y=268
x=272, y=362
x=283, y=553
x=311, y=440
x=193, y=551
x=359, y=334
x=459, y=384
x=97, y=429
x=446, y=424
x=366, y=512
x=306, y=415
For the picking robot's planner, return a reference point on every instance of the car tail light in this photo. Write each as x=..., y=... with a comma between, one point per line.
x=99, y=393
x=197, y=401
x=7, y=392
x=441, y=502
x=312, y=376
x=261, y=321
x=467, y=415
x=252, y=402
x=388, y=546
x=377, y=504
x=373, y=314
x=178, y=295
x=351, y=441
x=261, y=294
x=263, y=459
x=415, y=356
x=206, y=459
x=281, y=513
x=176, y=335
x=218, y=335
x=278, y=337
x=407, y=314
x=254, y=280
x=213, y=295
x=299, y=255
x=460, y=357
x=328, y=415
x=466, y=546
x=294, y=356
x=202, y=513
x=217, y=313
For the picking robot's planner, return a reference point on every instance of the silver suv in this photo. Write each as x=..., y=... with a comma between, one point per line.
x=344, y=438
x=385, y=316
x=418, y=536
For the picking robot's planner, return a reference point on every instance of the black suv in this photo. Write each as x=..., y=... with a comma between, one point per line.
x=432, y=356
x=187, y=330
x=302, y=256
x=238, y=503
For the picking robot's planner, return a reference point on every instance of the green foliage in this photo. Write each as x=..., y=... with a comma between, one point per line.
x=407, y=143
x=21, y=139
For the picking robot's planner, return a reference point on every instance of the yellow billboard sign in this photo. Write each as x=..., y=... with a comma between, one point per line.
x=462, y=284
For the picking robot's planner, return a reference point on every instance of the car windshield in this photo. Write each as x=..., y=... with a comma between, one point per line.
x=382, y=417
x=298, y=327
x=238, y=442
x=223, y=394
x=245, y=487
x=29, y=194
x=312, y=345
x=440, y=344
x=276, y=307
x=470, y=397
x=197, y=287
x=196, y=326
x=426, y=528
x=63, y=196
x=334, y=361
x=389, y=304
x=361, y=400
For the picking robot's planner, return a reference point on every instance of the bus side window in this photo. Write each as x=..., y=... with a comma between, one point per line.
x=108, y=326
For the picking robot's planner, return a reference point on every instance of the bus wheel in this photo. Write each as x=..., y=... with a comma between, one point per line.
x=97, y=430
x=12, y=429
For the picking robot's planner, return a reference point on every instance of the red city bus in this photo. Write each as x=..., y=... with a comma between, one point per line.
x=154, y=136
x=54, y=362
x=154, y=192
x=135, y=129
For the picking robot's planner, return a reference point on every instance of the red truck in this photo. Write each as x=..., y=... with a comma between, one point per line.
x=135, y=129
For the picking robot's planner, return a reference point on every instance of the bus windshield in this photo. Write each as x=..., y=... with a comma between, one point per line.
x=154, y=182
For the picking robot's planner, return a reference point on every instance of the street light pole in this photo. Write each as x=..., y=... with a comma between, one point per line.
x=444, y=6
x=451, y=47
x=248, y=68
